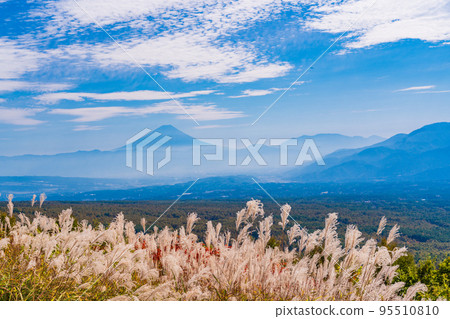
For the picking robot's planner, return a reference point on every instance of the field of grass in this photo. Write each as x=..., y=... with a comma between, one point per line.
x=256, y=254
x=424, y=224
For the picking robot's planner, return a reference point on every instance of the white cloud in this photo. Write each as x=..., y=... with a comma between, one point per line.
x=197, y=43
x=417, y=88
x=254, y=72
x=2, y=100
x=144, y=95
x=427, y=89
x=386, y=21
x=111, y=11
x=80, y=128
x=12, y=85
x=202, y=112
x=434, y=92
x=205, y=112
x=369, y=22
x=199, y=40
x=94, y=114
x=19, y=116
x=16, y=60
x=187, y=56
x=250, y=93
x=213, y=16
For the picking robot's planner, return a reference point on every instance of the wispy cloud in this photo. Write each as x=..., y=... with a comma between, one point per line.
x=16, y=59
x=196, y=45
x=416, y=88
x=423, y=90
x=262, y=92
x=144, y=95
x=80, y=128
x=386, y=21
x=252, y=72
x=200, y=38
x=17, y=116
x=250, y=93
x=201, y=112
x=11, y=86
x=186, y=56
x=210, y=17
x=434, y=92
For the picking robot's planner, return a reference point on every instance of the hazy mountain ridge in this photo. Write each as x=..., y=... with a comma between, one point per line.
x=421, y=156
x=424, y=154
x=111, y=164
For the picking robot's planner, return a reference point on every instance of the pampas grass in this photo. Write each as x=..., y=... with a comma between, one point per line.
x=42, y=199
x=33, y=200
x=54, y=259
x=10, y=205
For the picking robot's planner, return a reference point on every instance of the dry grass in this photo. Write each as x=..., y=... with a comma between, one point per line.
x=49, y=259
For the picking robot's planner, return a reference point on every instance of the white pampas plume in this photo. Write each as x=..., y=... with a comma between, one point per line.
x=285, y=210
x=33, y=200
x=393, y=234
x=191, y=220
x=210, y=234
x=243, y=234
x=352, y=237
x=254, y=209
x=240, y=218
x=264, y=230
x=10, y=205
x=218, y=228
x=42, y=199
x=293, y=233
x=413, y=290
x=381, y=225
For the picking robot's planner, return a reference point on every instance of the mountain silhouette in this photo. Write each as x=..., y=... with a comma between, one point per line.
x=111, y=163
x=422, y=155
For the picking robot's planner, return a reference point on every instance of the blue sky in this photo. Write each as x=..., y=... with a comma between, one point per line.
x=65, y=85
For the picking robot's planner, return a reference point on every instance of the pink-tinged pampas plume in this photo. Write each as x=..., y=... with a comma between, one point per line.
x=382, y=225
x=191, y=220
x=42, y=199
x=393, y=234
x=285, y=210
x=33, y=200
x=10, y=205
x=143, y=223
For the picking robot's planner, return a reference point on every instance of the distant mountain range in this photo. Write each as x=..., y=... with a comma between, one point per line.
x=329, y=143
x=405, y=163
x=422, y=155
x=111, y=164
x=96, y=164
